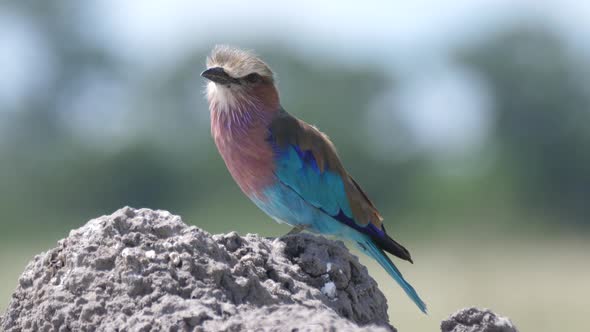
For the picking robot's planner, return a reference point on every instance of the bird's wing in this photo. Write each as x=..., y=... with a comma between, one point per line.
x=307, y=162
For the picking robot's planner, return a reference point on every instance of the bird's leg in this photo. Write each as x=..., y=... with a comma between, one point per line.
x=296, y=230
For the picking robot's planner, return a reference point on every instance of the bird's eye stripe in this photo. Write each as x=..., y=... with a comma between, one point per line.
x=253, y=78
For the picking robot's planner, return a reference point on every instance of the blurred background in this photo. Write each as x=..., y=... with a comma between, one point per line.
x=467, y=122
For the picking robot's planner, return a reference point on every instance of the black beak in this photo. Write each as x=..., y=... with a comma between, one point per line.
x=218, y=75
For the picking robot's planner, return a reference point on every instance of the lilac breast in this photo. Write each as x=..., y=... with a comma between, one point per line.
x=245, y=150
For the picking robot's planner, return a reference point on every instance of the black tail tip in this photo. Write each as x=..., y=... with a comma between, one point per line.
x=391, y=246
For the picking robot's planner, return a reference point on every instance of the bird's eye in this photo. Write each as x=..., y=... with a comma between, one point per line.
x=253, y=78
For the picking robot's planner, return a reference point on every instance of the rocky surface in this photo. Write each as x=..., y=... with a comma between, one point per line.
x=144, y=270
x=477, y=320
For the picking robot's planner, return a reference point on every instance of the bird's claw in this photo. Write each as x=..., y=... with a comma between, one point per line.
x=295, y=230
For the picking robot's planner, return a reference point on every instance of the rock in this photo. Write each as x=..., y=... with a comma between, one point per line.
x=145, y=270
x=476, y=320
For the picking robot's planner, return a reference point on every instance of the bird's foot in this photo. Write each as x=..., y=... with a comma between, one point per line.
x=296, y=230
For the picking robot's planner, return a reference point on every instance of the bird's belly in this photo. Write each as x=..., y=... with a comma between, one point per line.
x=286, y=206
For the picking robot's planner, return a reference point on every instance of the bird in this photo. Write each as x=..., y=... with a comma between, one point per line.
x=287, y=167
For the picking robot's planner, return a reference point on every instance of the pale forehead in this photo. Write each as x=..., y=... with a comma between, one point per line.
x=237, y=62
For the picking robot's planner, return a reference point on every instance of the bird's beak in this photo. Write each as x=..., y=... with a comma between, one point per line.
x=218, y=75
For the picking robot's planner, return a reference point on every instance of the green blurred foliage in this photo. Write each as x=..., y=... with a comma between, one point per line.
x=52, y=179
x=542, y=117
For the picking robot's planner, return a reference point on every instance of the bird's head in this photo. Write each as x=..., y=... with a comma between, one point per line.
x=238, y=79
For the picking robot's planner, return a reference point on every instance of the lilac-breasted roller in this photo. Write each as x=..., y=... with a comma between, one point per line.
x=287, y=167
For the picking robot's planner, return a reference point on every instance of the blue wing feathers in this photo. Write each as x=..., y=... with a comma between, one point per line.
x=369, y=229
x=325, y=190
x=308, y=159
x=299, y=170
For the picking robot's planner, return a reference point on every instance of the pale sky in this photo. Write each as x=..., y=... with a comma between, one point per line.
x=375, y=30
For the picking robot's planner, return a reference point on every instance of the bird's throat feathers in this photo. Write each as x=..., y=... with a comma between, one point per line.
x=229, y=98
x=235, y=111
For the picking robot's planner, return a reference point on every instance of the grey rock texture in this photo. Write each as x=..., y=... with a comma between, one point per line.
x=145, y=270
x=477, y=320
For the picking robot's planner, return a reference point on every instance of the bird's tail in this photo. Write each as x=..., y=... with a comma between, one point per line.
x=370, y=248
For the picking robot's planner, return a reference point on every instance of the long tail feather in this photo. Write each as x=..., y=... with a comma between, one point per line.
x=371, y=249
